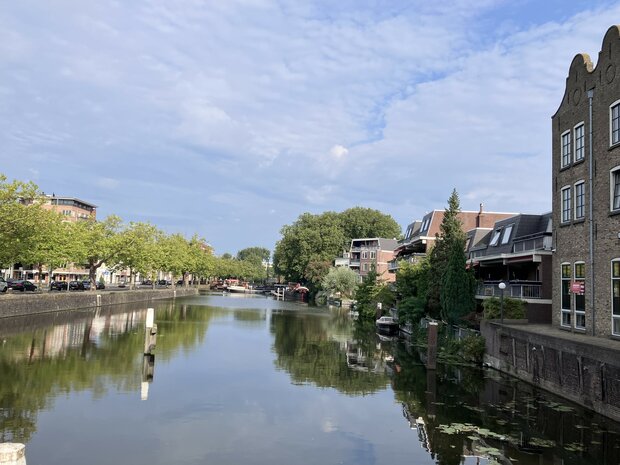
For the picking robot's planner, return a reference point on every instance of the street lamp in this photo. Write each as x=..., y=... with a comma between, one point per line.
x=502, y=286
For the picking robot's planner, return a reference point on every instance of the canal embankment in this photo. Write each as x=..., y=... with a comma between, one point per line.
x=30, y=304
x=575, y=366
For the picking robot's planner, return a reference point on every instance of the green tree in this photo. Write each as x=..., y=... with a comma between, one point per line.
x=256, y=255
x=99, y=242
x=311, y=238
x=342, y=280
x=458, y=287
x=451, y=231
x=140, y=254
x=19, y=218
x=320, y=238
x=411, y=287
x=359, y=222
x=370, y=293
x=50, y=242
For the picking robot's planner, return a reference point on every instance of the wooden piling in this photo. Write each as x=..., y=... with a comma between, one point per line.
x=431, y=364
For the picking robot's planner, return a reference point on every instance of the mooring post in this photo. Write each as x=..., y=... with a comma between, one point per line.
x=431, y=364
x=150, y=333
x=12, y=453
x=148, y=371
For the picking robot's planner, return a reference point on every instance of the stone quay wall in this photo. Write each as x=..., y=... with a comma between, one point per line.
x=576, y=369
x=29, y=304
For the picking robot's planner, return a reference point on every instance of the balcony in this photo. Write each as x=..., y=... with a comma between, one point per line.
x=354, y=263
x=514, y=289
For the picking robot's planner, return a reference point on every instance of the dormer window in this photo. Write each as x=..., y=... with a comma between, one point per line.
x=495, y=237
x=507, y=232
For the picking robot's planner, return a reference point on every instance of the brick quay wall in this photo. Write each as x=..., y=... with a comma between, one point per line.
x=30, y=304
x=582, y=369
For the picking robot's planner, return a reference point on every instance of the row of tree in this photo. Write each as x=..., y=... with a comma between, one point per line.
x=33, y=235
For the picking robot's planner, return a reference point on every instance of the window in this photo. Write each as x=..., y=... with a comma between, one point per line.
x=566, y=152
x=425, y=224
x=566, y=207
x=495, y=237
x=66, y=212
x=365, y=267
x=614, y=184
x=579, y=142
x=507, y=232
x=580, y=297
x=373, y=254
x=364, y=254
x=614, y=123
x=615, y=296
x=580, y=199
x=566, y=306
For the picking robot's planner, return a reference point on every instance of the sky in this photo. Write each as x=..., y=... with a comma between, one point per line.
x=230, y=118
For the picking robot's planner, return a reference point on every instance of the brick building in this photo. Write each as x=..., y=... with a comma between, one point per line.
x=586, y=195
x=71, y=208
x=366, y=253
x=420, y=235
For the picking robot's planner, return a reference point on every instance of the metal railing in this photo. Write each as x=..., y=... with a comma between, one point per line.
x=516, y=290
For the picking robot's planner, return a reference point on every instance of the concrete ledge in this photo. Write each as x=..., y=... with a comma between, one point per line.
x=29, y=304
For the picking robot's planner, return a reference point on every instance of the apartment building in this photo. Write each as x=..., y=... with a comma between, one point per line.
x=420, y=235
x=366, y=253
x=71, y=208
x=515, y=251
x=586, y=195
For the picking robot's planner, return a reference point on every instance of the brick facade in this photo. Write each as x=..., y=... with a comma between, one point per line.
x=573, y=164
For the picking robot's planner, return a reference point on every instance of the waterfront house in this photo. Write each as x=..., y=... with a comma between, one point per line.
x=586, y=195
x=420, y=235
x=517, y=252
x=366, y=253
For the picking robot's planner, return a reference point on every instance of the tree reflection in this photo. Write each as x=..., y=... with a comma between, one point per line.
x=314, y=350
x=88, y=353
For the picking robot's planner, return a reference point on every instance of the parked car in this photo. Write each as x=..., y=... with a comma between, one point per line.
x=146, y=282
x=21, y=285
x=86, y=284
x=59, y=286
x=3, y=285
x=100, y=285
x=163, y=282
x=76, y=285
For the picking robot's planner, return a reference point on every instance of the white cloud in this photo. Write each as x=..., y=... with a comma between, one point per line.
x=237, y=100
x=338, y=151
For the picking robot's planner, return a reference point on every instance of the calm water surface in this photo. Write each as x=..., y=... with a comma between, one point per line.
x=248, y=380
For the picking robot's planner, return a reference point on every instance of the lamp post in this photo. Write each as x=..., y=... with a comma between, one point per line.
x=502, y=286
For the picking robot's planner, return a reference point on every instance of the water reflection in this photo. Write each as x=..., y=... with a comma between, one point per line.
x=252, y=380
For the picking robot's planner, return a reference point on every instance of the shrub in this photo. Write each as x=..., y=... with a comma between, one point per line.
x=514, y=309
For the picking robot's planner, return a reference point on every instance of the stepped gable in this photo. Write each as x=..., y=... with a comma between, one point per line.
x=584, y=75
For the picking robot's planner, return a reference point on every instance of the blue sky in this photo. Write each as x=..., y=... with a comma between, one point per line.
x=230, y=118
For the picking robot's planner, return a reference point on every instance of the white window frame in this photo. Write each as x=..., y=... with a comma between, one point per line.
x=364, y=255
x=615, y=318
x=612, y=185
x=566, y=313
x=613, y=142
x=506, y=234
x=579, y=143
x=565, y=215
x=576, y=206
x=495, y=237
x=373, y=254
x=565, y=149
x=579, y=314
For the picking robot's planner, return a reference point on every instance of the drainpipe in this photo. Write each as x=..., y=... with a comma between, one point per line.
x=590, y=208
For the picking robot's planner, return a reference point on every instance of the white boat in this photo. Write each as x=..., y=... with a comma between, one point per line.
x=237, y=289
x=387, y=323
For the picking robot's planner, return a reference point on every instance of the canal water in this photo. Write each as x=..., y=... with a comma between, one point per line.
x=250, y=380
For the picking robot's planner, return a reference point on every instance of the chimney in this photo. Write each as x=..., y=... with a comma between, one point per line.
x=479, y=217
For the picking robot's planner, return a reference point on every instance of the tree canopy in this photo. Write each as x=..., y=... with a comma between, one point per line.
x=315, y=239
